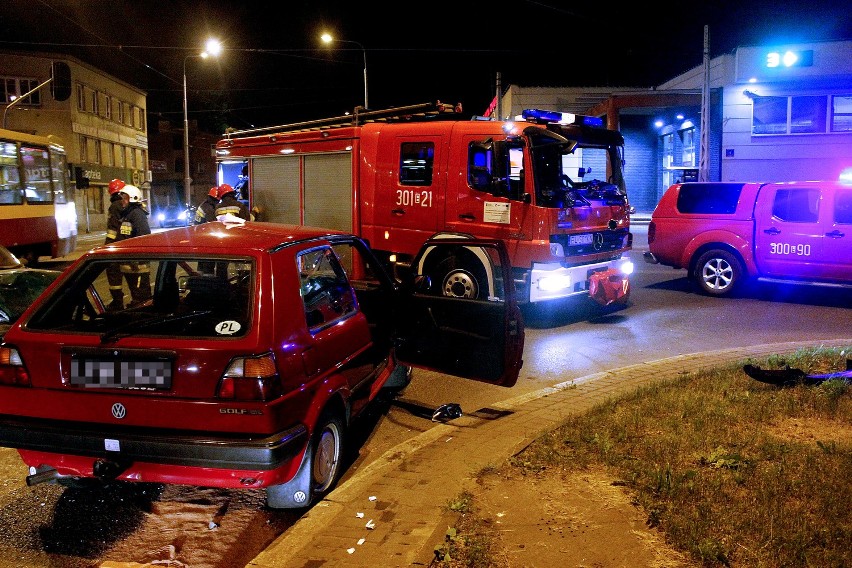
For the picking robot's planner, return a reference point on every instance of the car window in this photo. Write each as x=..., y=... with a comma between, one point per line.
x=796, y=205
x=710, y=198
x=843, y=207
x=181, y=297
x=324, y=286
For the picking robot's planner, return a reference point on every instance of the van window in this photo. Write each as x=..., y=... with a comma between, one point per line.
x=843, y=208
x=797, y=205
x=720, y=198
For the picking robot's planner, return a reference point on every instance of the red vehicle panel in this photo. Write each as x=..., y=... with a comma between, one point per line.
x=240, y=358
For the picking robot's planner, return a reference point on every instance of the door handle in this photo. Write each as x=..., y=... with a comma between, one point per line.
x=466, y=217
x=835, y=234
x=398, y=212
x=772, y=231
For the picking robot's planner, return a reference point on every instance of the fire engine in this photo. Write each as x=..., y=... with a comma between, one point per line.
x=549, y=184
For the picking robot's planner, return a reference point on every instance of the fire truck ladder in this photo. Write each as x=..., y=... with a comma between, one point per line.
x=357, y=118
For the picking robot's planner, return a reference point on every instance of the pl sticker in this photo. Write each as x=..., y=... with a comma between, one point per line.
x=228, y=327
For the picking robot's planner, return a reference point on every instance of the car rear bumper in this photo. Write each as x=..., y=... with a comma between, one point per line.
x=193, y=449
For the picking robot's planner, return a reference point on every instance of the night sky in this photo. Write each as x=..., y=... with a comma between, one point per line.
x=275, y=69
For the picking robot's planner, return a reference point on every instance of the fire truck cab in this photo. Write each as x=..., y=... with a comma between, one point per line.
x=549, y=184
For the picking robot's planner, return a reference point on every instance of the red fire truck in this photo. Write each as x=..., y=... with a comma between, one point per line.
x=549, y=184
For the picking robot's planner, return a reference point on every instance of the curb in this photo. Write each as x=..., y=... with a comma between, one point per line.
x=405, y=490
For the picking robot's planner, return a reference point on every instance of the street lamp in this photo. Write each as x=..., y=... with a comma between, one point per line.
x=327, y=38
x=213, y=49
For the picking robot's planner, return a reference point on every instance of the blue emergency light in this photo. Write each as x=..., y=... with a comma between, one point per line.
x=543, y=116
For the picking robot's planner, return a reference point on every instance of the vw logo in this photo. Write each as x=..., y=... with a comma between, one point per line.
x=598, y=241
x=118, y=410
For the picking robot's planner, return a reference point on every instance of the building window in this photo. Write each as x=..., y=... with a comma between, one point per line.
x=668, y=160
x=127, y=118
x=803, y=114
x=107, y=107
x=94, y=99
x=14, y=87
x=81, y=98
x=119, y=155
x=841, y=113
x=107, y=154
x=83, y=144
x=807, y=115
x=118, y=115
x=688, y=150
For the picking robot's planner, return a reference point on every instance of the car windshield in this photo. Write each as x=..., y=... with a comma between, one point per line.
x=179, y=297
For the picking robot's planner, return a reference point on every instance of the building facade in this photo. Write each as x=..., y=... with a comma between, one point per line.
x=775, y=113
x=102, y=125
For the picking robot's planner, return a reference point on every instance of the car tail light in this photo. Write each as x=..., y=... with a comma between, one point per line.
x=250, y=378
x=12, y=370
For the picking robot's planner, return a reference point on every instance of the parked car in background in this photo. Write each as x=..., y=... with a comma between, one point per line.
x=19, y=287
x=726, y=233
x=241, y=358
x=174, y=216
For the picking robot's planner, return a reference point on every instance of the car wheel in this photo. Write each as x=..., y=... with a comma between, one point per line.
x=718, y=272
x=327, y=449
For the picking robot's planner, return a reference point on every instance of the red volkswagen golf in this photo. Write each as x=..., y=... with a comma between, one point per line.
x=236, y=355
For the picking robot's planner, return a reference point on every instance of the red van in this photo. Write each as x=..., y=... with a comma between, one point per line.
x=725, y=233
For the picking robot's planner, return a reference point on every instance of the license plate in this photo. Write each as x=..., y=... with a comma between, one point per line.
x=121, y=374
x=585, y=239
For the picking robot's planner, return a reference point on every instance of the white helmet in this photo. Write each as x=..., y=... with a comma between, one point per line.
x=133, y=193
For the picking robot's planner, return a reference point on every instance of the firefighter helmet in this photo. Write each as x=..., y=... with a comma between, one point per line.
x=133, y=193
x=115, y=186
x=225, y=189
x=214, y=192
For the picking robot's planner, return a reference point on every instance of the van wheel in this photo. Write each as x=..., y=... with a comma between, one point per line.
x=327, y=446
x=718, y=272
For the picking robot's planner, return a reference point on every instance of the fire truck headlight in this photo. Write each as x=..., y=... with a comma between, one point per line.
x=627, y=267
x=554, y=283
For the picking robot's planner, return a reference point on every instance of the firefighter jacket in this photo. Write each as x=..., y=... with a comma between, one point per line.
x=113, y=218
x=230, y=204
x=134, y=222
x=206, y=211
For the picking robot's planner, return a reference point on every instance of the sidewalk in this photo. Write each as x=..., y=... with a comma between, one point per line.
x=412, y=482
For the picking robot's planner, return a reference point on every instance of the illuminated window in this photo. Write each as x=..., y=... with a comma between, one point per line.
x=14, y=87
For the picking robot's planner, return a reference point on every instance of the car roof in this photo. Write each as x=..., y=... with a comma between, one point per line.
x=221, y=237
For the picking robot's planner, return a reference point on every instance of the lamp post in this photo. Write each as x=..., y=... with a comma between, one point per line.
x=327, y=38
x=213, y=49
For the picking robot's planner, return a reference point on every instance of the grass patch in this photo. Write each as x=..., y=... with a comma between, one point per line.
x=733, y=471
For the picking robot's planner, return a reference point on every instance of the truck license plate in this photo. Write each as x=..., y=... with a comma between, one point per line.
x=585, y=239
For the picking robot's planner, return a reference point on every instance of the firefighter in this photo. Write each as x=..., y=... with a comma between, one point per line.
x=228, y=203
x=134, y=222
x=207, y=210
x=112, y=226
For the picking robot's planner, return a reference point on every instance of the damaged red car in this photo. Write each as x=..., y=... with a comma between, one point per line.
x=237, y=356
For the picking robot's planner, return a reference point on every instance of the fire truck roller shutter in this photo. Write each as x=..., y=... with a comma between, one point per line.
x=275, y=188
x=328, y=191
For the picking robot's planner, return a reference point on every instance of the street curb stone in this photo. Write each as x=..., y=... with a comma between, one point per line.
x=404, y=493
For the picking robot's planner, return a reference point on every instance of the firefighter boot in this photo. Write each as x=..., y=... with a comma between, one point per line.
x=140, y=288
x=117, y=300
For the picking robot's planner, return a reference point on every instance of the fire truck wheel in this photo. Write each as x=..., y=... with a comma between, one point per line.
x=460, y=278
